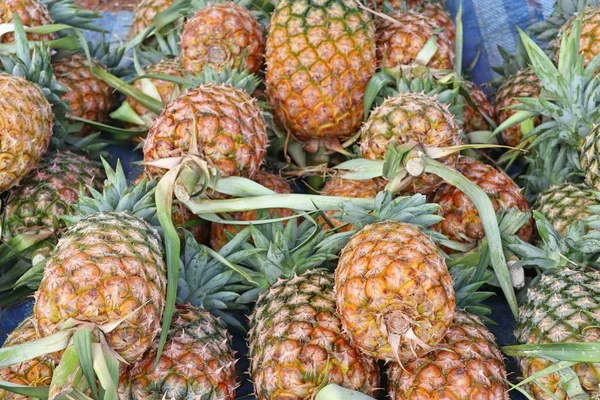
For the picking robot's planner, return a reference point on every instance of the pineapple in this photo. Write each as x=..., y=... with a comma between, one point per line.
x=559, y=308
x=340, y=187
x=197, y=361
x=26, y=125
x=400, y=42
x=411, y=117
x=296, y=341
x=589, y=33
x=219, y=232
x=167, y=91
x=229, y=128
x=524, y=83
x=145, y=12
x=461, y=221
x=320, y=57
x=564, y=204
x=35, y=372
x=472, y=118
x=222, y=35
x=467, y=365
x=48, y=193
x=31, y=12
x=393, y=292
x=106, y=267
x=88, y=97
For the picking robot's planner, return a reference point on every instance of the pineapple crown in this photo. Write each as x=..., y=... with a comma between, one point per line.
x=117, y=195
x=512, y=63
x=568, y=102
x=36, y=67
x=547, y=31
x=108, y=56
x=66, y=12
x=207, y=282
x=244, y=80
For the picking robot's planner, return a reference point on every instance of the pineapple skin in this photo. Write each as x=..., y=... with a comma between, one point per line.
x=589, y=158
x=48, y=193
x=340, y=187
x=88, y=97
x=104, y=268
x=26, y=124
x=411, y=117
x=461, y=219
x=562, y=307
x=230, y=129
x=31, y=12
x=34, y=372
x=394, y=293
x=590, y=33
x=468, y=365
x=524, y=83
x=197, y=361
x=144, y=13
x=320, y=56
x=296, y=340
x=399, y=43
x=564, y=204
x=218, y=232
x=472, y=119
x=222, y=35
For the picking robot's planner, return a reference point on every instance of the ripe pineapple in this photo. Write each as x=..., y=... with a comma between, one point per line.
x=48, y=193
x=524, y=83
x=411, y=117
x=564, y=204
x=337, y=186
x=167, y=91
x=26, y=123
x=320, y=57
x=472, y=119
x=88, y=97
x=394, y=293
x=296, y=340
x=229, y=127
x=106, y=267
x=31, y=12
x=590, y=23
x=400, y=42
x=197, y=361
x=560, y=308
x=467, y=365
x=144, y=13
x=461, y=221
x=222, y=35
x=35, y=372
x=218, y=232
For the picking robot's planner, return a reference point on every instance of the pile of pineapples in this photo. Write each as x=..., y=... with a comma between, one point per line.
x=321, y=178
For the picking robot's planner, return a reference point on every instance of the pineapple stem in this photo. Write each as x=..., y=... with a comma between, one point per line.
x=488, y=220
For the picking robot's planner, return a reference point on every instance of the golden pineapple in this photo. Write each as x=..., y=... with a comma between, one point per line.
x=26, y=124
x=88, y=97
x=411, y=117
x=296, y=342
x=48, y=193
x=466, y=365
x=320, y=57
x=106, y=267
x=222, y=35
x=524, y=83
x=394, y=293
x=401, y=41
x=230, y=130
x=218, y=232
x=472, y=119
x=34, y=372
x=461, y=220
x=145, y=12
x=340, y=187
x=197, y=361
x=31, y=12
x=590, y=33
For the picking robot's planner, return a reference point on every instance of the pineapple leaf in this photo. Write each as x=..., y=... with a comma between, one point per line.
x=82, y=340
x=40, y=392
